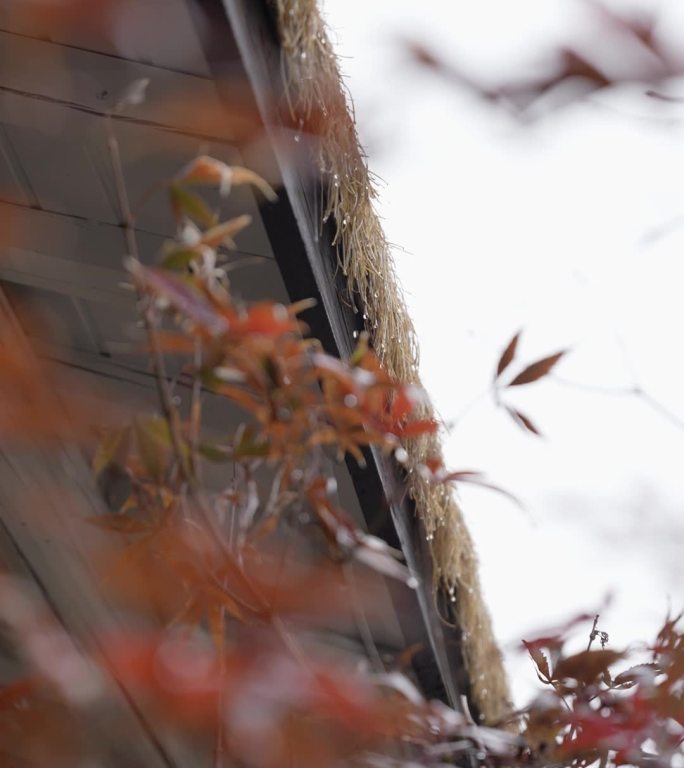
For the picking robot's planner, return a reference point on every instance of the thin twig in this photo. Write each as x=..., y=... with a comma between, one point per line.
x=628, y=391
x=659, y=408
x=361, y=620
x=594, y=633
x=196, y=412
x=127, y=219
x=169, y=410
x=165, y=398
x=219, y=743
x=635, y=391
x=171, y=415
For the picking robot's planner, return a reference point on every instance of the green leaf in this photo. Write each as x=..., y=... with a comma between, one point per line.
x=153, y=438
x=113, y=446
x=185, y=203
x=159, y=428
x=360, y=351
x=179, y=258
x=215, y=453
x=248, y=446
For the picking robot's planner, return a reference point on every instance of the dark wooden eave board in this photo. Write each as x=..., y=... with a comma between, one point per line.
x=244, y=35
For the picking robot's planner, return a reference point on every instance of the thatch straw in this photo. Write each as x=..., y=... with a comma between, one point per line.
x=317, y=98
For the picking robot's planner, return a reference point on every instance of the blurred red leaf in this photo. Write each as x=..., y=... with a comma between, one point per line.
x=507, y=355
x=586, y=666
x=120, y=523
x=540, y=660
x=265, y=318
x=180, y=294
x=417, y=428
x=537, y=370
x=13, y=694
x=639, y=673
x=522, y=421
x=478, y=478
x=208, y=170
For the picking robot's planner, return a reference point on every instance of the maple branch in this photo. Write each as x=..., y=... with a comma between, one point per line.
x=361, y=620
x=127, y=219
x=635, y=391
x=219, y=743
x=196, y=412
x=166, y=400
x=169, y=410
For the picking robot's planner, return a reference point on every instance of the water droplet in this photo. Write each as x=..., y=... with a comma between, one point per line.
x=401, y=455
x=330, y=486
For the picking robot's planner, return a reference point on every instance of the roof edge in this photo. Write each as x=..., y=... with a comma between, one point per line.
x=319, y=103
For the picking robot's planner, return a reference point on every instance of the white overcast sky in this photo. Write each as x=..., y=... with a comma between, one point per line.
x=500, y=228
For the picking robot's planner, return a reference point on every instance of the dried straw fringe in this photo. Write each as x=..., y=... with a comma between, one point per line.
x=315, y=88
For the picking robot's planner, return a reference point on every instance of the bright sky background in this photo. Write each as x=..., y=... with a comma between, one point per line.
x=500, y=227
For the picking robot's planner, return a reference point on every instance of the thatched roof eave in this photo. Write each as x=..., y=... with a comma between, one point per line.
x=315, y=91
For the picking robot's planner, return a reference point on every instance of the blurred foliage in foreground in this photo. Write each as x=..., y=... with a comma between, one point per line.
x=227, y=587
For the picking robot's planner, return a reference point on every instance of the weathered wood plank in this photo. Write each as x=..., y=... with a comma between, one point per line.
x=98, y=284
x=127, y=33
x=96, y=82
x=100, y=245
